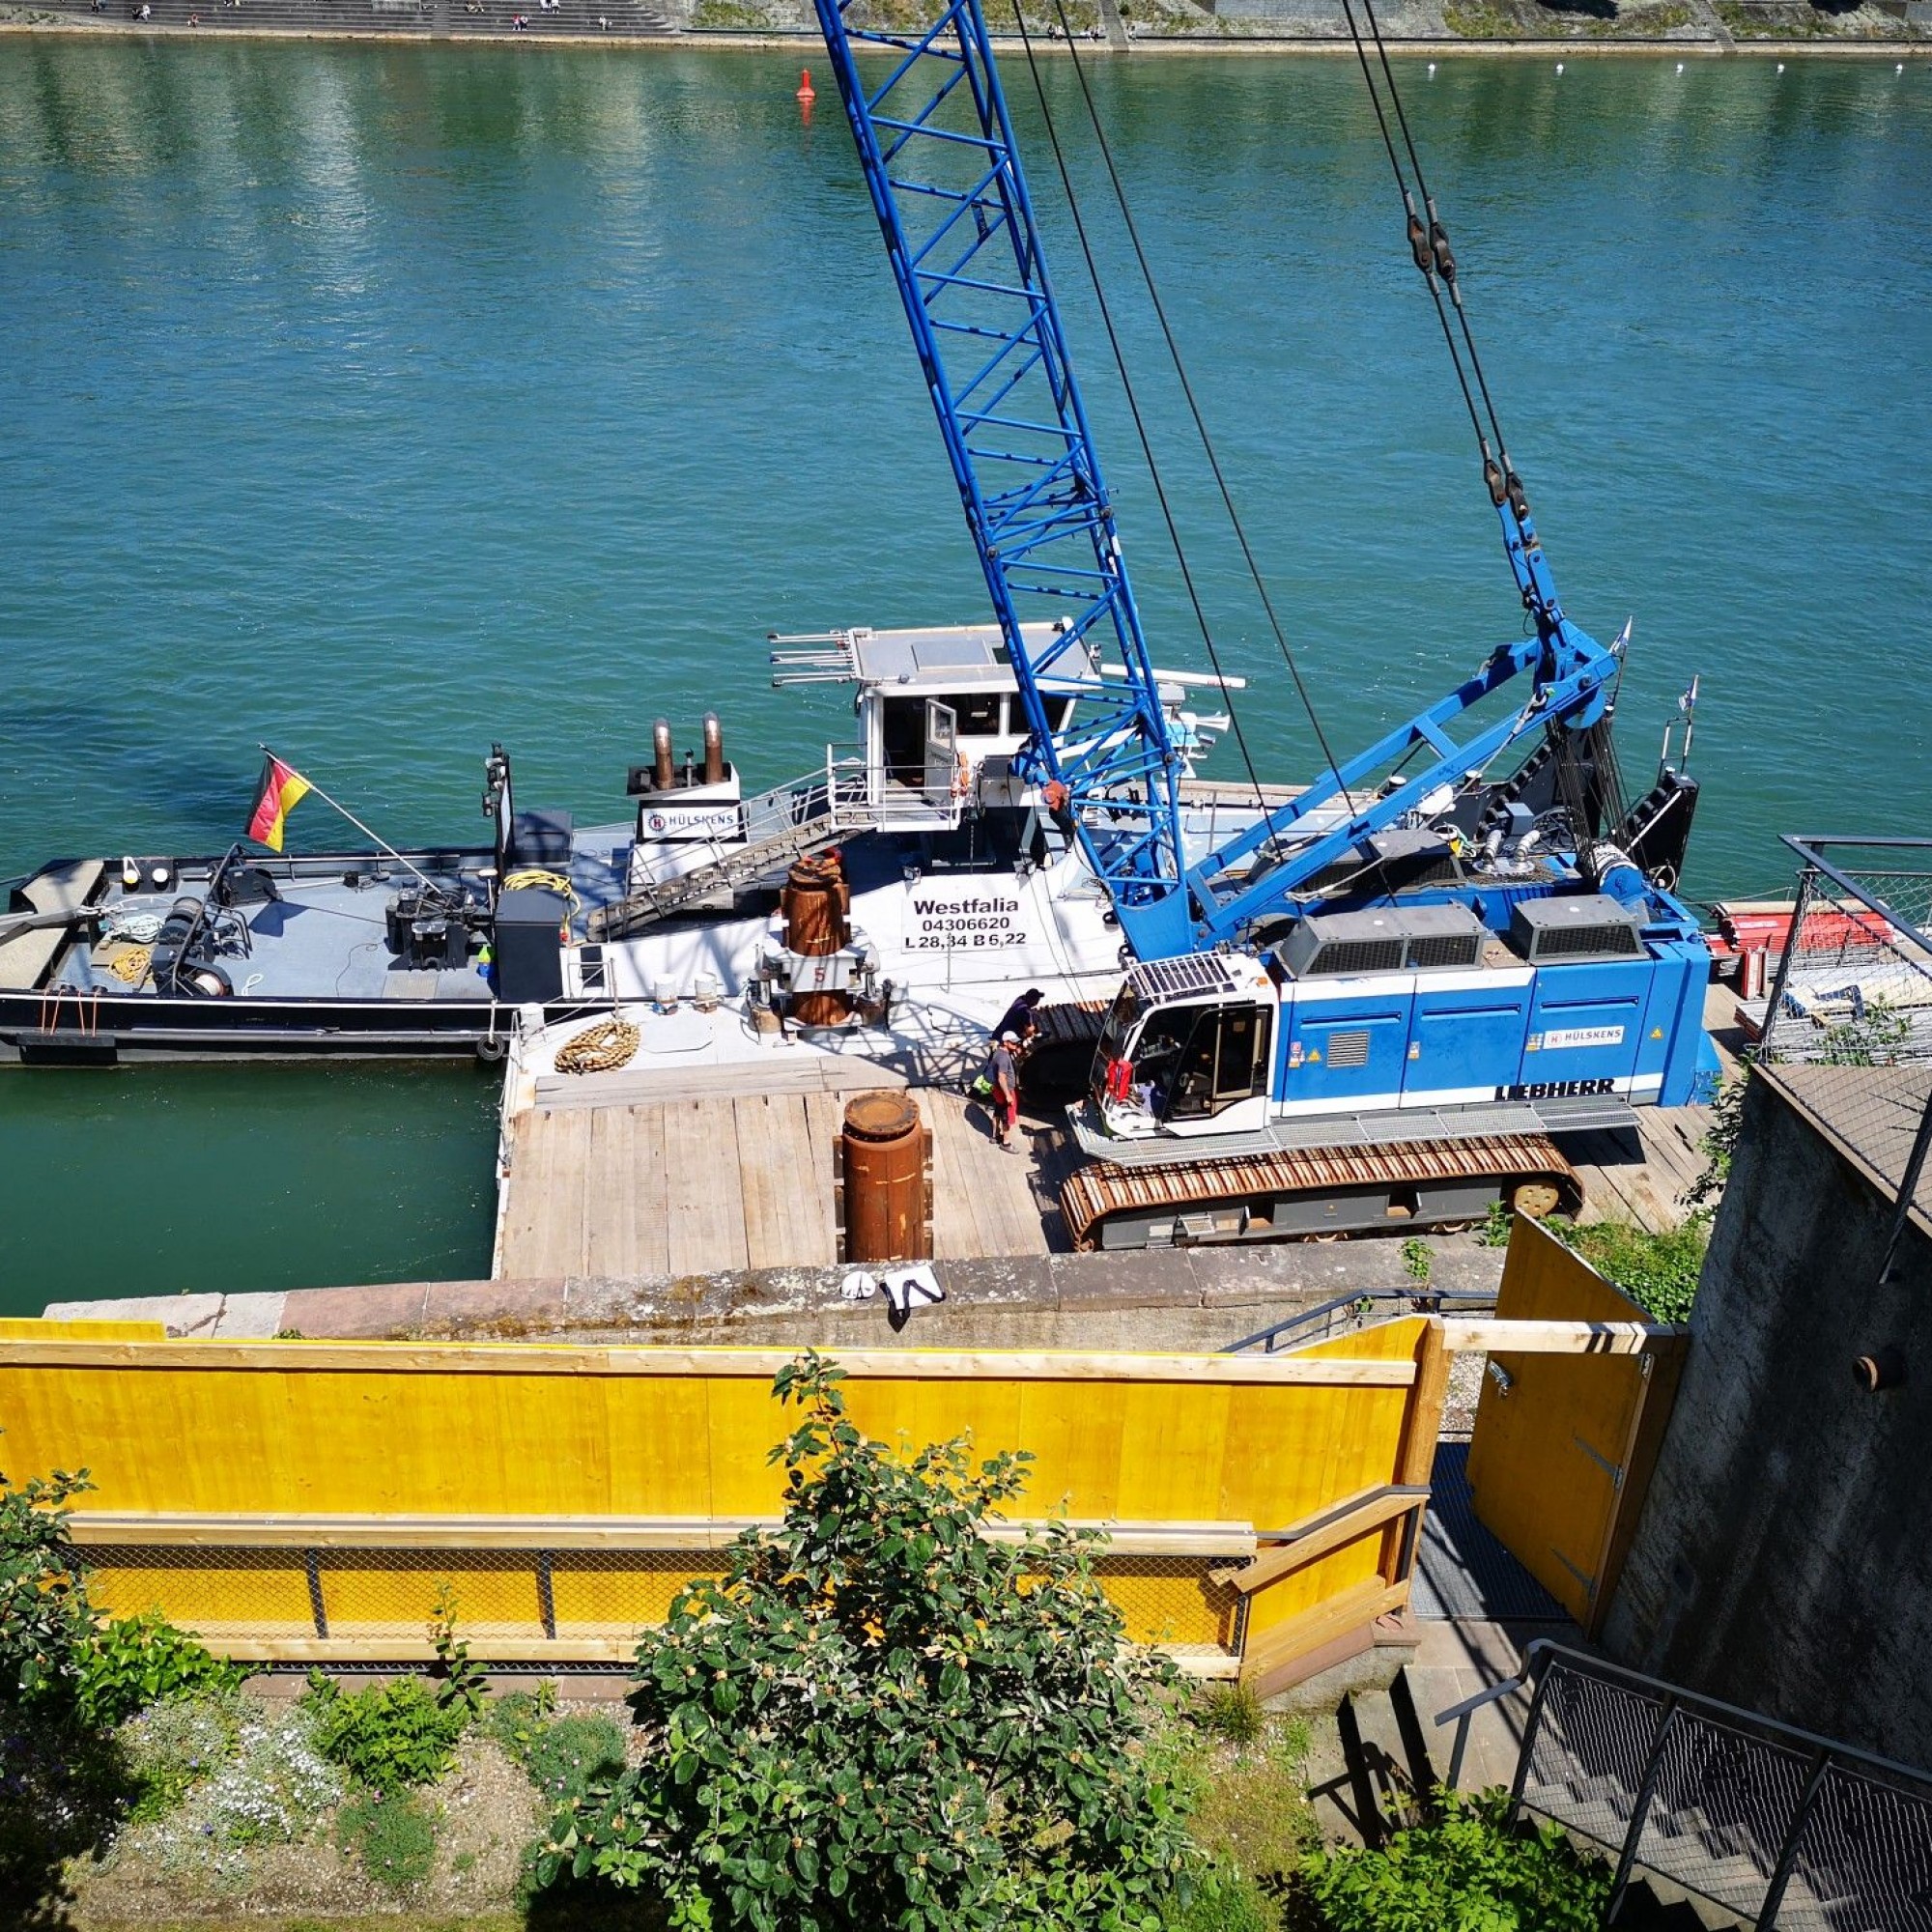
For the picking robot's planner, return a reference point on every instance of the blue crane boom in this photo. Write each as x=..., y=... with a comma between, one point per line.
x=945, y=181
x=936, y=146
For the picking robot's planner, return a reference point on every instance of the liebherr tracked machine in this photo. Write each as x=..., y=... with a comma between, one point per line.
x=1378, y=999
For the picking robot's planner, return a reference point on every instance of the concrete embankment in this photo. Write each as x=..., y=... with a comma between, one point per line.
x=1186, y=1299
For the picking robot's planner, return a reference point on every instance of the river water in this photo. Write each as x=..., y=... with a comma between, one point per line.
x=380, y=401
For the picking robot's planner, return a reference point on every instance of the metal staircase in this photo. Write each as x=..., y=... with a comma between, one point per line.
x=776, y=829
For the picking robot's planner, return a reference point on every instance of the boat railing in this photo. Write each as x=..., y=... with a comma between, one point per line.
x=847, y=794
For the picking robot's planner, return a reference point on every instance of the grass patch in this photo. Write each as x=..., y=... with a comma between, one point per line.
x=393, y=1837
x=1249, y=1811
x=1233, y=1712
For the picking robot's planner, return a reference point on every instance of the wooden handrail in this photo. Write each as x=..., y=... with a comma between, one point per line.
x=483, y=1534
x=1322, y=1534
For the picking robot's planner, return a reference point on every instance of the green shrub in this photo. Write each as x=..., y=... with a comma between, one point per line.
x=394, y=1837
x=132, y=1663
x=1497, y=1221
x=1418, y=1258
x=175, y=1747
x=44, y=1618
x=1719, y=1143
x=463, y=1683
x=1232, y=1711
x=1659, y=1272
x=880, y=1716
x=1469, y=1868
x=387, y=1736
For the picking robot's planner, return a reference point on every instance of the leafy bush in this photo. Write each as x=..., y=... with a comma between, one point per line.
x=463, y=1683
x=878, y=1717
x=125, y=1665
x=1233, y=1711
x=389, y=1736
x=44, y=1618
x=1418, y=1258
x=176, y=1746
x=1659, y=1272
x=1876, y=1036
x=1719, y=1143
x=1497, y=1221
x=394, y=1837
x=1469, y=1868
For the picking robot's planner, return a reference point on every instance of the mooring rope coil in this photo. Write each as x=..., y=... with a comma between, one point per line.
x=131, y=967
x=545, y=881
x=602, y=1048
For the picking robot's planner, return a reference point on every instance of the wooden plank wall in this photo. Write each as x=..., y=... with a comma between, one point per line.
x=1547, y=1450
x=293, y=1438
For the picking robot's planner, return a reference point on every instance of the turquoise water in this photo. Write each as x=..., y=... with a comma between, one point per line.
x=380, y=401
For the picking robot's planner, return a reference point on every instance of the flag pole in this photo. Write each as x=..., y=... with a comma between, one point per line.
x=366, y=831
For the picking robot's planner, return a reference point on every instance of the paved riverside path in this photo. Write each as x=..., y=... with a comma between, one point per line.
x=421, y=19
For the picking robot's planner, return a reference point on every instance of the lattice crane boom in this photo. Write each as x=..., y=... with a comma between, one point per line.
x=937, y=148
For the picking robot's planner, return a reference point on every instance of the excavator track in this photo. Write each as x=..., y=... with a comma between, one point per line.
x=1316, y=1192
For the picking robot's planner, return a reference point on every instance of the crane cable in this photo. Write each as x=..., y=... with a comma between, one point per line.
x=1429, y=247
x=1194, y=408
x=1140, y=424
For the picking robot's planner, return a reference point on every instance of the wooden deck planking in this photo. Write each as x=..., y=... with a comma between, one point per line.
x=788, y=1219
x=728, y=1179
x=702, y=1188
x=956, y=1222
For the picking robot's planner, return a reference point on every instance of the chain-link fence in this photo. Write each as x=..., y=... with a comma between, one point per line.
x=1853, y=985
x=1773, y=1825
x=288, y=1600
x=1848, y=1019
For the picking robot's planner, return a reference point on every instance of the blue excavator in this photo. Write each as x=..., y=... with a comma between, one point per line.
x=1376, y=1001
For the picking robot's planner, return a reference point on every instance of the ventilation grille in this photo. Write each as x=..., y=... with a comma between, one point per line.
x=1587, y=941
x=1358, y=956
x=1348, y=1049
x=1456, y=949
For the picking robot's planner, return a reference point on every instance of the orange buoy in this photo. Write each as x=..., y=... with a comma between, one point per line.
x=805, y=92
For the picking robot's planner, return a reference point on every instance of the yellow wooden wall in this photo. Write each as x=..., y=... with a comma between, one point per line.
x=300, y=1431
x=1545, y=1452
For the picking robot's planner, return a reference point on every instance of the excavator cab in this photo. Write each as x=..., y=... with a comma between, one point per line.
x=1195, y=1059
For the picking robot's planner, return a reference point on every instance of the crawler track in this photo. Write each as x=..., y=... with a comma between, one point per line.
x=1315, y=1192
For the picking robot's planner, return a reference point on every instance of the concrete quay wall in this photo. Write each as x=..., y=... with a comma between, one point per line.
x=1189, y=1299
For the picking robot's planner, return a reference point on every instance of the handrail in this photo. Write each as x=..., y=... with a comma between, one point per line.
x=1460, y=1714
x=1320, y=1534
x=1269, y=1340
x=1599, y=1667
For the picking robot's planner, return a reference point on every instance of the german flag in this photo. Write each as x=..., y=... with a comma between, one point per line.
x=281, y=790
